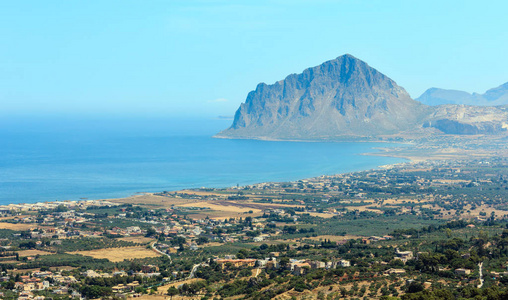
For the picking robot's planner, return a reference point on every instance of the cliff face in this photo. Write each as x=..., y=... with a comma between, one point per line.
x=339, y=98
x=347, y=99
x=463, y=119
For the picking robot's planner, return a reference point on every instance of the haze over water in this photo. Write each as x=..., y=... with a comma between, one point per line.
x=68, y=159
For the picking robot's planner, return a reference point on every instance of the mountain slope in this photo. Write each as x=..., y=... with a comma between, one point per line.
x=343, y=97
x=492, y=97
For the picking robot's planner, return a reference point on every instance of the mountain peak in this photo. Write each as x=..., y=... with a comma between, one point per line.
x=340, y=97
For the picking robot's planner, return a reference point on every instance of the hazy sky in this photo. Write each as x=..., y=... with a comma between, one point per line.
x=201, y=58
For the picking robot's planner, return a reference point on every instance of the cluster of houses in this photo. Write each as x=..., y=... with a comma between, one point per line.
x=60, y=284
x=297, y=267
x=54, y=205
x=41, y=280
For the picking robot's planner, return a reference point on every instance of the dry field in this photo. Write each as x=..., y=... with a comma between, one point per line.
x=9, y=262
x=12, y=217
x=164, y=289
x=486, y=209
x=223, y=209
x=220, y=206
x=152, y=200
x=220, y=215
x=404, y=200
x=316, y=214
x=119, y=254
x=363, y=208
x=62, y=268
x=137, y=239
x=200, y=193
x=17, y=227
x=332, y=238
x=24, y=253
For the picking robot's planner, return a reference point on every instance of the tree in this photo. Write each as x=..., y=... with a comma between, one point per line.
x=150, y=232
x=172, y=291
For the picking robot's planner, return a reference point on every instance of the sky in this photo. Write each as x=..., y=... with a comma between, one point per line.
x=201, y=58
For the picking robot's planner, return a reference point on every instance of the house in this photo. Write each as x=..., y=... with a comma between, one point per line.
x=462, y=272
x=236, y=262
x=344, y=263
x=317, y=265
x=395, y=271
x=403, y=255
x=299, y=269
x=272, y=264
x=119, y=288
x=132, y=285
x=149, y=268
x=258, y=239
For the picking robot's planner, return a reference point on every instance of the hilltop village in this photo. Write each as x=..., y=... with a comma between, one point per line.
x=411, y=231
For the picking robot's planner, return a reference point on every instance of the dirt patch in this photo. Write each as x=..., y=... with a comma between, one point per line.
x=119, y=254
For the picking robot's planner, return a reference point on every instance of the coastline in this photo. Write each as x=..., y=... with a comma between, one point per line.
x=98, y=200
x=410, y=152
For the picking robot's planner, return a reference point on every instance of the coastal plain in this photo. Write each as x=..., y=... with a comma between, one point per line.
x=358, y=234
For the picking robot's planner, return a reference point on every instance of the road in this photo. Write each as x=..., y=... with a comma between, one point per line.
x=194, y=268
x=258, y=270
x=480, y=266
x=160, y=252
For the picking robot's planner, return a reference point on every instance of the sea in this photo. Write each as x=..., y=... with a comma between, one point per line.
x=74, y=158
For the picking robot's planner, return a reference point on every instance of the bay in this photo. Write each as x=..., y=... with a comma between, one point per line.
x=70, y=158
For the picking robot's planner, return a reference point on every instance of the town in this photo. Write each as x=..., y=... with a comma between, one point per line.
x=409, y=231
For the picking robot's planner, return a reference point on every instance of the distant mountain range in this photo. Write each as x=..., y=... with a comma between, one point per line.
x=493, y=97
x=345, y=98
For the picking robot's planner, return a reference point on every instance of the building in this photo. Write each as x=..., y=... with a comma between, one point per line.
x=344, y=263
x=237, y=263
x=462, y=272
x=317, y=264
x=403, y=255
x=395, y=271
x=300, y=269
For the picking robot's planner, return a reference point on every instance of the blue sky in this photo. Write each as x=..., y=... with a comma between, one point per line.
x=201, y=58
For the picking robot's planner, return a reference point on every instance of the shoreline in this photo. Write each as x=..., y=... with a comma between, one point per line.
x=411, y=152
x=55, y=203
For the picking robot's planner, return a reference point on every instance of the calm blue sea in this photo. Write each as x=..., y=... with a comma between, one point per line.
x=49, y=159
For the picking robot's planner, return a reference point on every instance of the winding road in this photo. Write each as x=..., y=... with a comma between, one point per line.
x=160, y=252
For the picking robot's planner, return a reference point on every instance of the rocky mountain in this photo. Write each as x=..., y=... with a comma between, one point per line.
x=493, y=97
x=345, y=98
x=340, y=98
x=463, y=119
